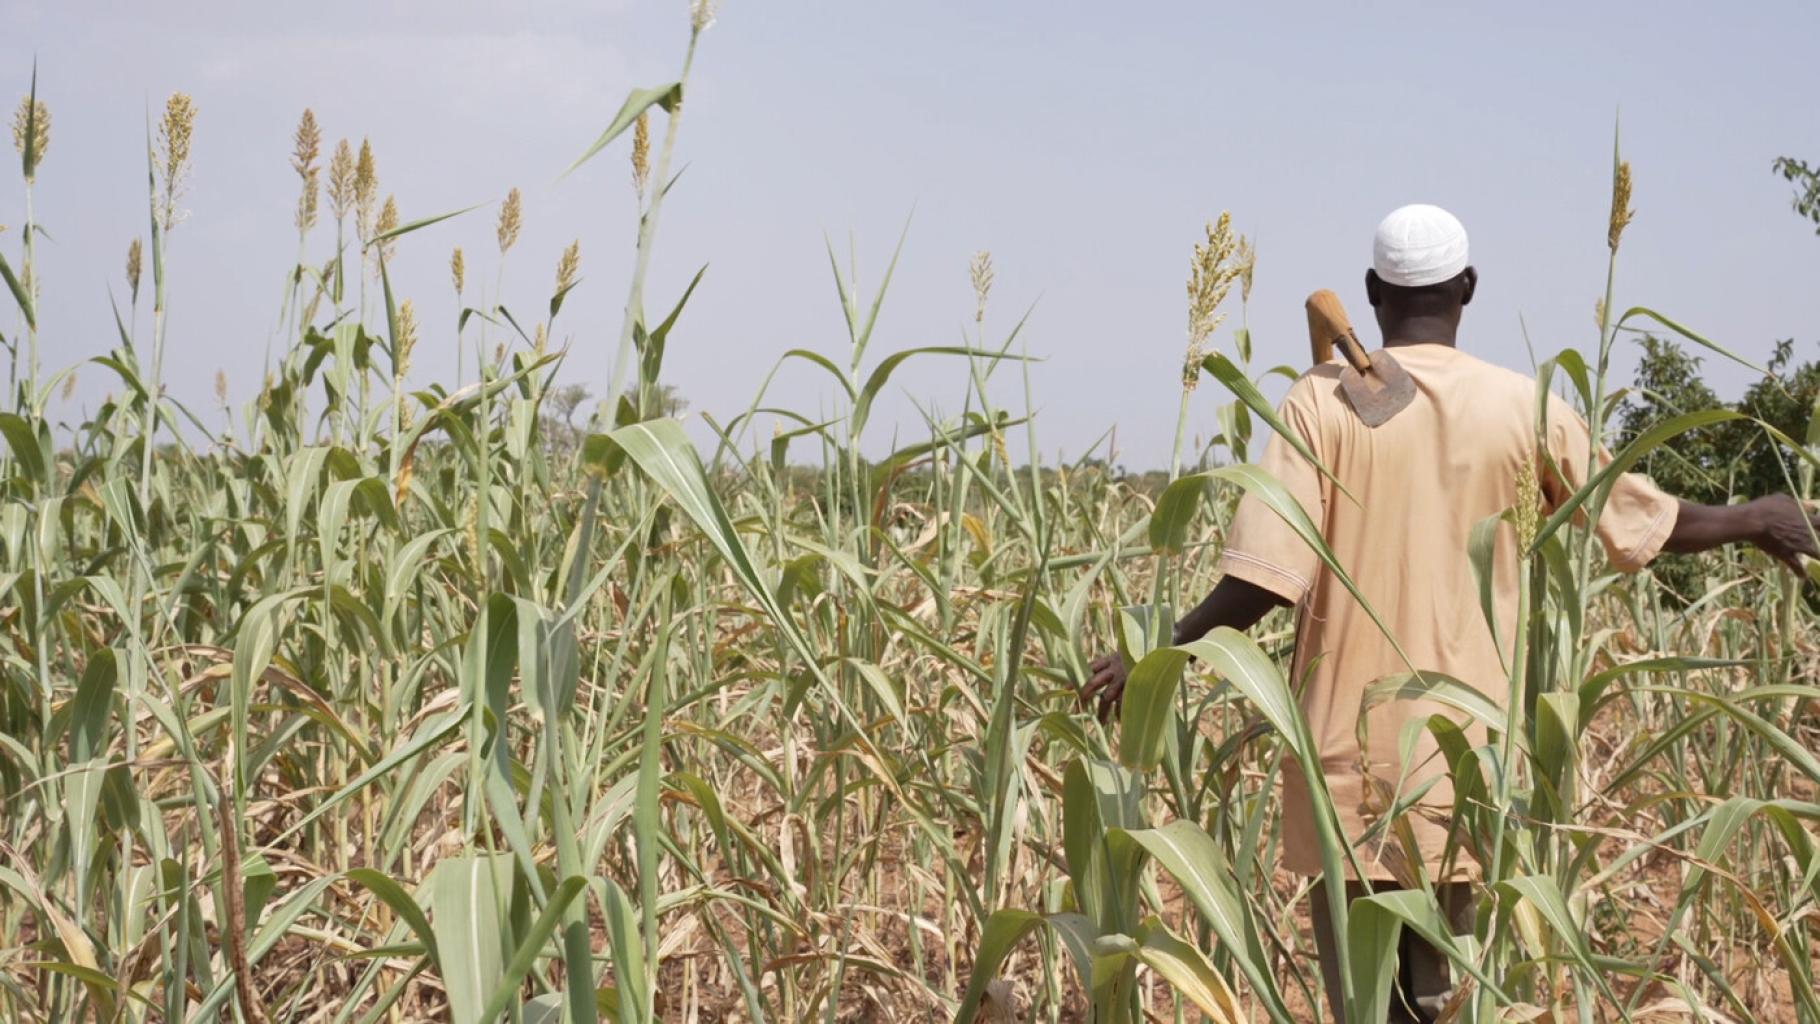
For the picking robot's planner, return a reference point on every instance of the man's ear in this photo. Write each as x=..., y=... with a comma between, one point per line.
x=1472, y=284
x=1372, y=290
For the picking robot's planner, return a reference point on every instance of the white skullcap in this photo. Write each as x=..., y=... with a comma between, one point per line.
x=1418, y=245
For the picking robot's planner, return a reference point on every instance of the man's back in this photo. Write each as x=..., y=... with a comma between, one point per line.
x=1411, y=494
x=1422, y=481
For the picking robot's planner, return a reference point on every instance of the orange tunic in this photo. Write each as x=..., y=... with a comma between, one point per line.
x=1423, y=480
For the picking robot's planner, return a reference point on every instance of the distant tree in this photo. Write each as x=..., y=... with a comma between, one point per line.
x=566, y=399
x=559, y=429
x=563, y=402
x=670, y=402
x=1807, y=186
x=1714, y=464
x=666, y=401
x=1788, y=400
x=1669, y=383
x=1733, y=458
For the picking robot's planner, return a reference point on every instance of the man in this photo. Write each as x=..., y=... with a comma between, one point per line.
x=1422, y=480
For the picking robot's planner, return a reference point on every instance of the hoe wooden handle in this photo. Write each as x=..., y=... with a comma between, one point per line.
x=1328, y=324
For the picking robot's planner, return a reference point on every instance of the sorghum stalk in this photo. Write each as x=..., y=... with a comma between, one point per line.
x=31, y=137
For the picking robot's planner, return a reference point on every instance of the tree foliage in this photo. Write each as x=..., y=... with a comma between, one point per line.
x=1736, y=459
x=1807, y=186
x=1714, y=465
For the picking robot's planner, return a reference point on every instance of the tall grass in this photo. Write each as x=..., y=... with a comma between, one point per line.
x=405, y=704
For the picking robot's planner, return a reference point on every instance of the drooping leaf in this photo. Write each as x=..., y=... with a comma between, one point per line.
x=1196, y=863
x=402, y=903
x=1188, y=972
x=1645, y=443
x=418, y=224
x=641, y=100
x=1235, y=381
x=1001, y=934
x=20, y=295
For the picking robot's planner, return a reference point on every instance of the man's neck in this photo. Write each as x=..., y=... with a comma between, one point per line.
x=1422, y=330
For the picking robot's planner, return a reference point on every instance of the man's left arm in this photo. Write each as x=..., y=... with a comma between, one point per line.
x=1264, y=563
x=1233, y=602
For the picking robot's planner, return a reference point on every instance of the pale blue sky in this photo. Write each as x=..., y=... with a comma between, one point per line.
x=1084, y=148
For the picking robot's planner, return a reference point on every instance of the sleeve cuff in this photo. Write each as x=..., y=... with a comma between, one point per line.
x=1646, y=550
x=1287, y=584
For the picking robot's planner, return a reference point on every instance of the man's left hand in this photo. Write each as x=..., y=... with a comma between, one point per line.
x=1108, y=681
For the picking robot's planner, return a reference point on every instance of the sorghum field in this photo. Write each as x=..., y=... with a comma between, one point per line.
x=435, y=704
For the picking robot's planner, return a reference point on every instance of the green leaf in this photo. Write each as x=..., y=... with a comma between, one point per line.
x=1557, y=725
x=641, y=100
x=1149, y=707
x=662, y=332
x=82, y=799
x=254, y=644
x=1078, y=936
x=393, y=895
x=1544, y=894
x=663, y=451
x=1481, y=552
x=506, y=990
x=469, y=894
x=1005, y=744
x=1236, y=382
x=1003, y=931
x=1261, y=485
x=1690, y=335
x=421, y=222
x=1175, y=512
x=1371, y=939
x=28, y=151
x=1645, y=443
x=1238, y=659
x=883, y=687
x=260, y=882
x=101, y=985
x=1440, y=689
x=1795, y=752
x=881, y=375
x=92, y=711
x=627, y=946
x=1574, y=364
x=561, y=294
x=26, y=446
x=20, y=295
x=817, y=359
x=1187, y=970
x=1198, y=865
x=1373, y=928
x=1098, y=796
x=426, y=736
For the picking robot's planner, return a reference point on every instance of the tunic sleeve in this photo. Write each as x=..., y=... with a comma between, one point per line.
x=1261, y=548
x=1638, y=516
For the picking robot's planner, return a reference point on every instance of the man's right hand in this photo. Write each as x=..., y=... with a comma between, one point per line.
x=1107, y=679
x=1778, y=524
x=1785, y=529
